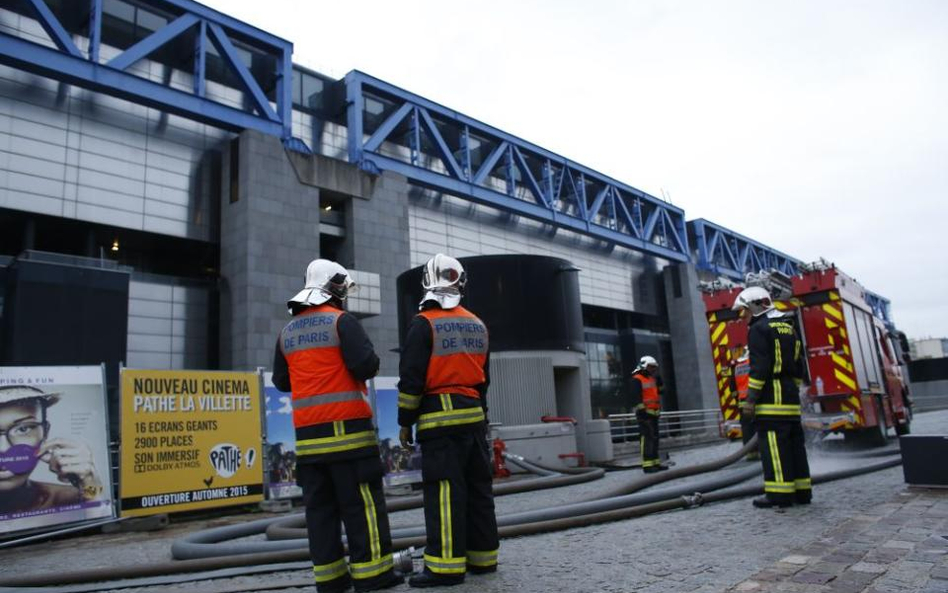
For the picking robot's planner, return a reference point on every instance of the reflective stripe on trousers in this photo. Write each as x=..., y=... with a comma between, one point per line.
x=327, y=572
x=446, y=563
x=483, y=559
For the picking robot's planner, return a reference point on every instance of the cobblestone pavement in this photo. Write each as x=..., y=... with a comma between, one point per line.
x=714, y=548
x=895, y=547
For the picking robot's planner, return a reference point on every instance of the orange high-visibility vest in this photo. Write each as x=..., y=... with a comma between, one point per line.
x=651, y=400
x=458, y=352
x=323, y=388
x=742, y=378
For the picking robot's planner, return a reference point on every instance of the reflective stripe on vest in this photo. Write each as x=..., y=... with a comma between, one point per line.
x=742, y=378
x=327, y=398
x=459, y=346
x=651, y=400
x=323, y=388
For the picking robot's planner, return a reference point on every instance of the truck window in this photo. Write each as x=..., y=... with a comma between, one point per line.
x=884, y=346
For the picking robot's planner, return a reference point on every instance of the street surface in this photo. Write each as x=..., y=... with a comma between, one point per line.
x=868, y=534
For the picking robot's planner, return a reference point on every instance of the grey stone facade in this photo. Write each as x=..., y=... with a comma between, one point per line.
x=271, y=232
x=691, y=351
x=377, y=238
x=268, y=236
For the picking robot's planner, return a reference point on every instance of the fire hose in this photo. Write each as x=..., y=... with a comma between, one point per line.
x=524, y=523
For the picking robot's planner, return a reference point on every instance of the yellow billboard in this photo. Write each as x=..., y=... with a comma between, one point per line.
x=190, y=440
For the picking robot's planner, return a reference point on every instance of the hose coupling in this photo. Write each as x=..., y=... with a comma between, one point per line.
x=695, y=500
x=402, y=560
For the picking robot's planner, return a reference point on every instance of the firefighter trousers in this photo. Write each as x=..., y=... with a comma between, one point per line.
x=648, y=440
x=783, y=456
x=348, y=492
x=460, y=522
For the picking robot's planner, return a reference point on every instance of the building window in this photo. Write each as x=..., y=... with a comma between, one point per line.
x=607, y=389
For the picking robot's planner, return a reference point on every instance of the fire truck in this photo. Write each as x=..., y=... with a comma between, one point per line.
x=854, y=365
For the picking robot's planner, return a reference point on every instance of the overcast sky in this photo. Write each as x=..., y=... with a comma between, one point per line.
x=818, y=128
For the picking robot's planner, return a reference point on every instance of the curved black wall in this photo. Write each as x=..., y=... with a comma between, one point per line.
x=529, y=302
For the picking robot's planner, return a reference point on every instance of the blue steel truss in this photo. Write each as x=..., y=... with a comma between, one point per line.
x=413, y=136
x=880, y=305
x=723, y=251
x=68, y=63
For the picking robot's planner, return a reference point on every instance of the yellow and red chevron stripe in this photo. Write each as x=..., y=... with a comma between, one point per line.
x=722, y=368
x=843, y=370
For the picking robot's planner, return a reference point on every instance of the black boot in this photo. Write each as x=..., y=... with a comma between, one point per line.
x=340, y=585
x=377, y=584
x=766, y=503
x=802, y=498
x=481, y=569
x=430, y=579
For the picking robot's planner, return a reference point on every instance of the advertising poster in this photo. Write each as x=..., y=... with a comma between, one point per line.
x=280, y=448
x=190, y=440
x=402, y=467
x=54, y=447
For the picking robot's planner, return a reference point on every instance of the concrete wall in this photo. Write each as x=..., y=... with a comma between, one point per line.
x=616, y=278
x=691, y=346
x=268, y=236
x=377, y=239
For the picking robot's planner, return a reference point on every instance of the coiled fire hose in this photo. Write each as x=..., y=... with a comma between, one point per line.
x=517, y=524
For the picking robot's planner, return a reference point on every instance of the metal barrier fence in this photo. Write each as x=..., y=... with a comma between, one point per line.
x=687, y=427
x=683, y=427
x=927, y=403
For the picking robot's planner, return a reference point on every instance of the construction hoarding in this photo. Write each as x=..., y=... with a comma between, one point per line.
x=190, y=440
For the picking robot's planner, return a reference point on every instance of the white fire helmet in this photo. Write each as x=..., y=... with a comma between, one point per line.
x=443, y=280
x=755, y=299
x=324, y=280
x=647, y=361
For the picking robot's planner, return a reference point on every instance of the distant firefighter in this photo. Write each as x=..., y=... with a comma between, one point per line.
x=773, y=399
x=740, y=377
x=646, y=388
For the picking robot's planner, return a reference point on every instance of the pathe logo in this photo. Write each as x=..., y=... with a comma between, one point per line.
x=225, y=459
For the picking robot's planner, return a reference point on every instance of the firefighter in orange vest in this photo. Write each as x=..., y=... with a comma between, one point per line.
x=323, y=356
x=442, y=392
x=646, y=389
x=773, y=399
x=741, y=376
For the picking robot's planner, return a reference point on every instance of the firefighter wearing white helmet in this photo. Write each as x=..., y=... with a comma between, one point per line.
x=646, y=388
x=323, y=356
x=773, y=399
x=443, y=379
x=443, y=280
x=325, y=280
x=755, y=300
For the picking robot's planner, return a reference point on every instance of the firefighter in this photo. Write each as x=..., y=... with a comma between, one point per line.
x=773, y=399
x=443, y=379
x=324, y=357
x=646, y=389
x=741, y=375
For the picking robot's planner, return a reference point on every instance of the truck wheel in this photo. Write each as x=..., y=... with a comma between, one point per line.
x=877, y=436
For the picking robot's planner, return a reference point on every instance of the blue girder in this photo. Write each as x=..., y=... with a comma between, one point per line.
x=723, y=251
x=880, y=305
x=68, y=63
x=514, y=176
